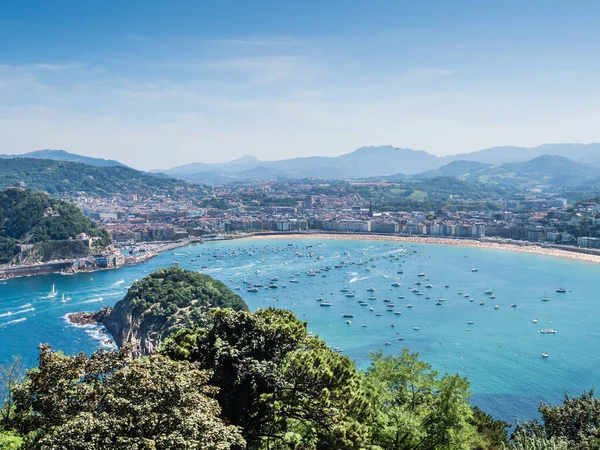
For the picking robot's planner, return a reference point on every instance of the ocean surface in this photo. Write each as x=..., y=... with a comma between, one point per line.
x=499, y=350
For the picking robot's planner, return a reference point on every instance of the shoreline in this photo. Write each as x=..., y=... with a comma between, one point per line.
x=526, y=247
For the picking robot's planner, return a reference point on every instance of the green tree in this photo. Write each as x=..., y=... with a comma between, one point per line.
x=523, y=441
x=413, y=407
x=11, y=374
x=110, y=401
x=282, y=386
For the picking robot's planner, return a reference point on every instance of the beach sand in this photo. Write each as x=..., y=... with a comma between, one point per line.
x=526, y=247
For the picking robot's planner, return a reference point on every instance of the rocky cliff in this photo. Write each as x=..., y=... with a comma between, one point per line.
x=159, y=304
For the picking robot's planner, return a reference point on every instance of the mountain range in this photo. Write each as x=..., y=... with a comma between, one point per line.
x=379, y=161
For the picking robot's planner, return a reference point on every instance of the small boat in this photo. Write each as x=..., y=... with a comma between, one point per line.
x=401, y=297
x=545, y=355
x=398, y=313
x=497, y=307
x=396, y=284
x=409, y=306
x=545, y=299
x=372, y=298
x=293, y=280
x=348, y=322
x=416, y=328
x=428, y=286
x=470, y=322
x=348, y=315
x=513, y=305
x=252, y=289
x=492, y=297
x=363, y=326
x=325, y=304
x=371, y=309
x=548, y=331
x=481, y=303
x=438, y=303
x=421, y=274
x=535, y=321
x=343, y=290
x=489, y=292
x=446, y=286
x=378, y=314
x=320, y=299
x=388, y=343
x=349, y=294
x=53, y=293
x=475, y=270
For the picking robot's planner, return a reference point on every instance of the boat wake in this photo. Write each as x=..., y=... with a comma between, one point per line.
x=94, y=300
x=118, y=283
x=12, y=322
x=21, y=311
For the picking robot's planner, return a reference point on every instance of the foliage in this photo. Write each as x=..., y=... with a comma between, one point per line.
x=62, y=177
x=9, y=440
x=111, y=401
x=172, y=292
x=413, y=407
x=11, y=374
x=29, y=217
x=523, y=441
x=279, y=384
x=576, y=421
x=492, y=433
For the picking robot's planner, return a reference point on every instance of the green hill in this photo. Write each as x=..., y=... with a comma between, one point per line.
x=47, y=224
x=61, y=155
x=63, y=177
x=165, y=301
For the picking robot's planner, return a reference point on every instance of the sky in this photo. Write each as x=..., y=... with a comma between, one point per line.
x=155, y=84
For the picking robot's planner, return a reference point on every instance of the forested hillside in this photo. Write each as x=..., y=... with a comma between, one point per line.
x=50, y=225
x=62, y=177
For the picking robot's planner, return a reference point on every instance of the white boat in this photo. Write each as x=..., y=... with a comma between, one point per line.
x=514, y=305
x=488, y=292
x=53, y=293
x=545, y=355
x=63, y=300
x=416, y=328
x=395, y=284
x=409, y=306
x=548, y=331
x=348, y=322
x=535, y=321
x=497, y=307
x=371, y=289
x=475, y=270
x=421, y=274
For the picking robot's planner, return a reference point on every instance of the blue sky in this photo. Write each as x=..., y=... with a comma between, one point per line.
x=155, y=84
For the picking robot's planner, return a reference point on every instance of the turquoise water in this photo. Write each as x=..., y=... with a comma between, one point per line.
x=500, y=352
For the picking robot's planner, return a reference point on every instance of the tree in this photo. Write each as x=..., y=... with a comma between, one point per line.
x=413, y=407
x=11, y=374
x=110, y=401
x=285, y=388
x=523, y=441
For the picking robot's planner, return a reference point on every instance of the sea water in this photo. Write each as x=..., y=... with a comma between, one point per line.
x=498, y=350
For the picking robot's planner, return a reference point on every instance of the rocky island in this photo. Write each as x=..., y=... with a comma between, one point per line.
x=160, y=304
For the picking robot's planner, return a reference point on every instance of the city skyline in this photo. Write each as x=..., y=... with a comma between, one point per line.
x=155, y=84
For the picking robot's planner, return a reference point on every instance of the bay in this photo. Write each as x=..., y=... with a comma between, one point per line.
x=499, y=350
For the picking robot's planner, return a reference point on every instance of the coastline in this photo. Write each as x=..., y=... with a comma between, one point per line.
x=526, y=247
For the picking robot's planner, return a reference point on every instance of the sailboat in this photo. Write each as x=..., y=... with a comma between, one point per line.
x=64, y=299
x=53, y=293
x=545, y=297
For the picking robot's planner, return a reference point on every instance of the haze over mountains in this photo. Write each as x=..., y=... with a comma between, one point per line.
x=554, y=166
x=379, y=161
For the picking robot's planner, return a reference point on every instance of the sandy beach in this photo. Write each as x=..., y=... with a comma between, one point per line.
x=525, y=247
